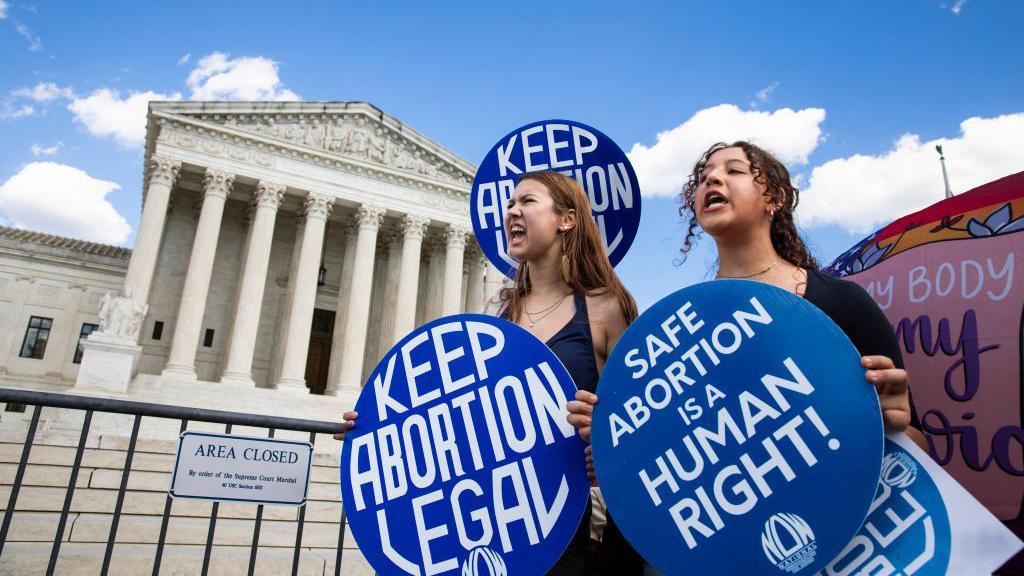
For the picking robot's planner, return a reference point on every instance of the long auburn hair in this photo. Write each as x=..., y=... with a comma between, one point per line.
x=780, y=193
x=585, y=266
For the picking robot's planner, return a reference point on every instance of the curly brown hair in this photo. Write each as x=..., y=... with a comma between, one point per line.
x=779, y=193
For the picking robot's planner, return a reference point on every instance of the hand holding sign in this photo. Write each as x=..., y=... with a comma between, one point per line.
x=463, y=458
x=735, y=433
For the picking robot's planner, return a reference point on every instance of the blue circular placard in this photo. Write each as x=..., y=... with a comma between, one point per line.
x=735, y=433
x=461, y=461
x=574, y=149
x=907, y=529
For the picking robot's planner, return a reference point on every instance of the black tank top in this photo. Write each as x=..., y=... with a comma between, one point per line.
x=574, y=346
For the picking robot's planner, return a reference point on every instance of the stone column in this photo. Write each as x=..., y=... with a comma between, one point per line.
x=344, y=292
x=162, y=174
x=182, y=360
x=254, y=279
x=475, y=286
x=413, y=229
x=285, y=306
x=369, y=219
x=435, y=279
x=300, y=319
x=393, y=240
x=455, y=238
x=494, y=281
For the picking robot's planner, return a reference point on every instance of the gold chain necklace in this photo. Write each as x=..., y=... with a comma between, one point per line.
x=766, y=270
x=543, y=313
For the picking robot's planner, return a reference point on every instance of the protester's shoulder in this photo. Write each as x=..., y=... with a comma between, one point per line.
x=603, y=306
x=841, y=294
x=847, y=303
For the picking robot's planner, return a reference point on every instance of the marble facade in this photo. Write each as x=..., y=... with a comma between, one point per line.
x=288, y=246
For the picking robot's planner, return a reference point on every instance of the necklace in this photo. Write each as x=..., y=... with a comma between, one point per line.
x=769, y=268
x=543, y=313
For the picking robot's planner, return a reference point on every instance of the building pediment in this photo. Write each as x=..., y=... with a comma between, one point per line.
x=353, y=130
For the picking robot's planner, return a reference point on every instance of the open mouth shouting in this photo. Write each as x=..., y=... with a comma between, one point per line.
x=516, y=234
x=714, y=201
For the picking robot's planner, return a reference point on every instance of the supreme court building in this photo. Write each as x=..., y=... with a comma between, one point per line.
x=282, y=249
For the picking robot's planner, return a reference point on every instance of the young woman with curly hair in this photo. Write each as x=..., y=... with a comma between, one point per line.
x=743, y=197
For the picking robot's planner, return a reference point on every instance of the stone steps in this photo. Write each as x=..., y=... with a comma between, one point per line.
x=26, y=558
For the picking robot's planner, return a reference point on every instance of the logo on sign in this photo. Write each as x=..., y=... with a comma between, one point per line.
x=898, y=470
x=907, y=530
x=570, y=148
x=483, y=561
x=788, y=542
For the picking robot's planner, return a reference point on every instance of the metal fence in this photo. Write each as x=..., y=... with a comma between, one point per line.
x=37, y=400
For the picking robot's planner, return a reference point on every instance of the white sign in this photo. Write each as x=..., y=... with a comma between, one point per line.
x=241, y=469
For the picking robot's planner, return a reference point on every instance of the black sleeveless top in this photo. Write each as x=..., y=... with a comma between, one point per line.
x=574, y=346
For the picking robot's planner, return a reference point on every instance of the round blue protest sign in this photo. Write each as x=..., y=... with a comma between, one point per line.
x=571, y=148
x=735, y=433
x=462, y=461
x=907, y=529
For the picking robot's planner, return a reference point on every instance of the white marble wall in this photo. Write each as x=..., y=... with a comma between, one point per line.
x=67, y=292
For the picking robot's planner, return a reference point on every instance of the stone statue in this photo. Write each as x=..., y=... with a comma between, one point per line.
x=120, y=317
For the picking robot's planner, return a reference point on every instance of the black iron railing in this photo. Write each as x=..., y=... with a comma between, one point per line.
x=90, y=405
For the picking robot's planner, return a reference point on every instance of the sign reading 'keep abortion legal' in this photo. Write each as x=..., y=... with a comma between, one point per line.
x=736, y=433
x=462, y=461
x=571, y=148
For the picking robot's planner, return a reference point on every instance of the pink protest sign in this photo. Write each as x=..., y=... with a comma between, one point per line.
x=949, y=280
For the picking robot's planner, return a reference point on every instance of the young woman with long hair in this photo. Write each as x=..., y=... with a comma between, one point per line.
x=744, y=199
x=567, y=294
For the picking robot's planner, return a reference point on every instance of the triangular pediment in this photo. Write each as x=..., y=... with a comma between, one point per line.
x=354, y=130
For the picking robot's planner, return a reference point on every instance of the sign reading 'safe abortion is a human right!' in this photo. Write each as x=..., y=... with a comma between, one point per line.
x=462, y=461
x=736, y=434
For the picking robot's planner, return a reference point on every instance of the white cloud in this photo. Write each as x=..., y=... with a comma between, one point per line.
x=861, y=192
x=43, y=92
x=22, y=101
x=3, y=10
x=104, y=113
x=10, y=110
x=663, y=167
x=217, y=77
x=38, y=150
x=184, y=59
x=957, y=6
x=59, y=199
x=35, y=44
x=763, y=95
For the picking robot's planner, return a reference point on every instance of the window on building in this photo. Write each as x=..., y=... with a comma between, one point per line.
x=14, y=408
x=208, y=338
x=86, y=330
x=158, y=330
x=36, y=335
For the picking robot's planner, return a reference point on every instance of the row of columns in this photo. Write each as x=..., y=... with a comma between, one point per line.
x=352, y=314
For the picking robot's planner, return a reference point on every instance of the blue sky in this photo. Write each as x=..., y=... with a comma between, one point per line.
x=851, y=95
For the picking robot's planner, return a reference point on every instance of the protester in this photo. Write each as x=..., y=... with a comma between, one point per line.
x=743, y=197
x=567, y=294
